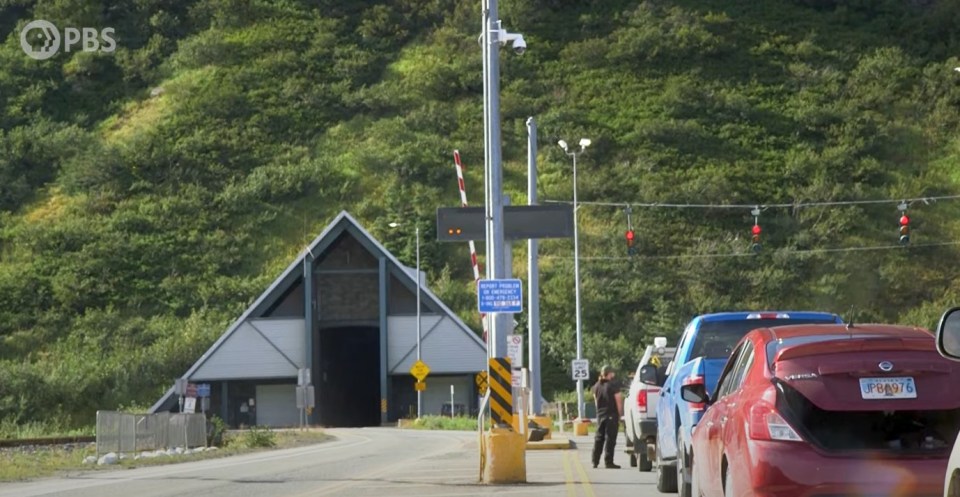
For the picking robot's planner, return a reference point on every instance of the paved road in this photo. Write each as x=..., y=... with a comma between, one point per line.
x=359, y=463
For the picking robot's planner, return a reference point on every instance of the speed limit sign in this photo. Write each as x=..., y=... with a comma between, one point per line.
x=581, y=369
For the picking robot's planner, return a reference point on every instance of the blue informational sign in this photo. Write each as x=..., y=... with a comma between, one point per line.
x=500, y=296
x=203, y=390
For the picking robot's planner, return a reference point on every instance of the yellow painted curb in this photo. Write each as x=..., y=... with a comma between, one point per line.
x=554, y=444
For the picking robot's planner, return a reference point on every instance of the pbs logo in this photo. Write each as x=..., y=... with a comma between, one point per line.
x=41, y=39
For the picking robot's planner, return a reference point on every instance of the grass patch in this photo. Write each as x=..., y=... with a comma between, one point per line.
x=35, y=429
x=458, y=423
x=255, y=438
x=25, y=464
x=22, y=465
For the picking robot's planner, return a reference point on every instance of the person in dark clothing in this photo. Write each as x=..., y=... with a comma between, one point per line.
x=609, y=401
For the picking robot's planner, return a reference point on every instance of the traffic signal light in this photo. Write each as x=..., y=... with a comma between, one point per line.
x=756, y=246
x=904, y=229
x=631, y=237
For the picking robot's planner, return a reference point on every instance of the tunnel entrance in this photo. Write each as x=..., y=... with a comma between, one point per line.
x=349, y=395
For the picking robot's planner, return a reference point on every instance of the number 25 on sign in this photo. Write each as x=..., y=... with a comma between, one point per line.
x=580, y=369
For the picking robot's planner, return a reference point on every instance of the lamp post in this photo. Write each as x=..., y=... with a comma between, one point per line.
x=419, y=328
x=584, y=143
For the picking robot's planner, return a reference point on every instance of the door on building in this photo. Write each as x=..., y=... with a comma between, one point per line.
x=349, y=389
x=277, y=406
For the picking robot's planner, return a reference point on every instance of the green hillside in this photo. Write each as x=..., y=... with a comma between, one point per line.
x=146, y=196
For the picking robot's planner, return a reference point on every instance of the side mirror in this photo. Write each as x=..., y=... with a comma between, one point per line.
x=695, y=394
x=948, y=334
x=648, y=375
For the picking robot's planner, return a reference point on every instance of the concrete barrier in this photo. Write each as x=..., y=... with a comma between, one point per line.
x=506, y=460
x=544, y=422
x=580, y=428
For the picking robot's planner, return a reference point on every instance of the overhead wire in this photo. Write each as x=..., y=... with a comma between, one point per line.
x=750, y=254
x=795, y=205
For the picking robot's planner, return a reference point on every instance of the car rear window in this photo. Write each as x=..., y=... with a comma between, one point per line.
x=717, y=339
x=781, y=343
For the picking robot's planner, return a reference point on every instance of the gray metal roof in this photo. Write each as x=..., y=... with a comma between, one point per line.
x=342, y=222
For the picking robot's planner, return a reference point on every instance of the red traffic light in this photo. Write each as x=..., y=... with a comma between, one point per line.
x=756, y=229
x=629, y=235
x=904, y=220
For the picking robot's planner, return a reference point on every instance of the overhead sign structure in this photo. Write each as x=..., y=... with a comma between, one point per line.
x=420, y=370
x=503, y=296
x=581, y=369
x=515, y=350
x=520, y=222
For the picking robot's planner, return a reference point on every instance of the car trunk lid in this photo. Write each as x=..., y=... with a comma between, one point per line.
x=870, y=373
x=877, y=394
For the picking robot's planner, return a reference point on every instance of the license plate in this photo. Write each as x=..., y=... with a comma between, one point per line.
x=888, y=388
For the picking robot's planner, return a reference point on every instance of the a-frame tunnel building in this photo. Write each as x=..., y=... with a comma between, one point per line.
x=346, y=309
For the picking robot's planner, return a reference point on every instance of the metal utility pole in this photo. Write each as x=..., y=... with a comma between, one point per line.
x=419, y=328
x=584, y=143
x=495, y=240
x=487, y=246
x=576, y=273
x=533, y=274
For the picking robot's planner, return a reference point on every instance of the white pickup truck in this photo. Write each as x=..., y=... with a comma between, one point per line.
x=640, y=404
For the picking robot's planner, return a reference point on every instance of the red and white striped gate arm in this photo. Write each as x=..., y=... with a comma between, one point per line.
x=473, y=246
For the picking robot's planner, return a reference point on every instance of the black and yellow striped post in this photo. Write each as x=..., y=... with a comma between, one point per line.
x=505, y=453
x=501, y=392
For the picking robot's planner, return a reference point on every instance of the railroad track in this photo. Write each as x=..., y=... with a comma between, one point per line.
x=23, y=442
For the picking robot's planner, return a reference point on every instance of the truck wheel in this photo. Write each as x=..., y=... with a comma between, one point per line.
x=644, y=464
x=666, y=475
x=683, y=488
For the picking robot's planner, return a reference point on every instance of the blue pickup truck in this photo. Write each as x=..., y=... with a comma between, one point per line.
x=704, y=348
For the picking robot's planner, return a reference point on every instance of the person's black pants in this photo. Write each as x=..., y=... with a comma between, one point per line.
x=606, y=435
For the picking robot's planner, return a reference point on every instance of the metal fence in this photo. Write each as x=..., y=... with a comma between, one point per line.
x=126, y=433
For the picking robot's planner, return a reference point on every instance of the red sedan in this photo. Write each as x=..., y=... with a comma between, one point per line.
x=828, y=410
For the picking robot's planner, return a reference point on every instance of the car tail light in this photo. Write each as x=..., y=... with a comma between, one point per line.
x=769, y=315
x=642, y=401
x=695, y=380
x=767, y=424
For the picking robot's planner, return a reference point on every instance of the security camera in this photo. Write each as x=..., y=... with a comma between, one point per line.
x=519, y=46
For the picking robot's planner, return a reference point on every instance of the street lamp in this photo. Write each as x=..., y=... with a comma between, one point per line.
x=419, y=392
x=584, y=143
